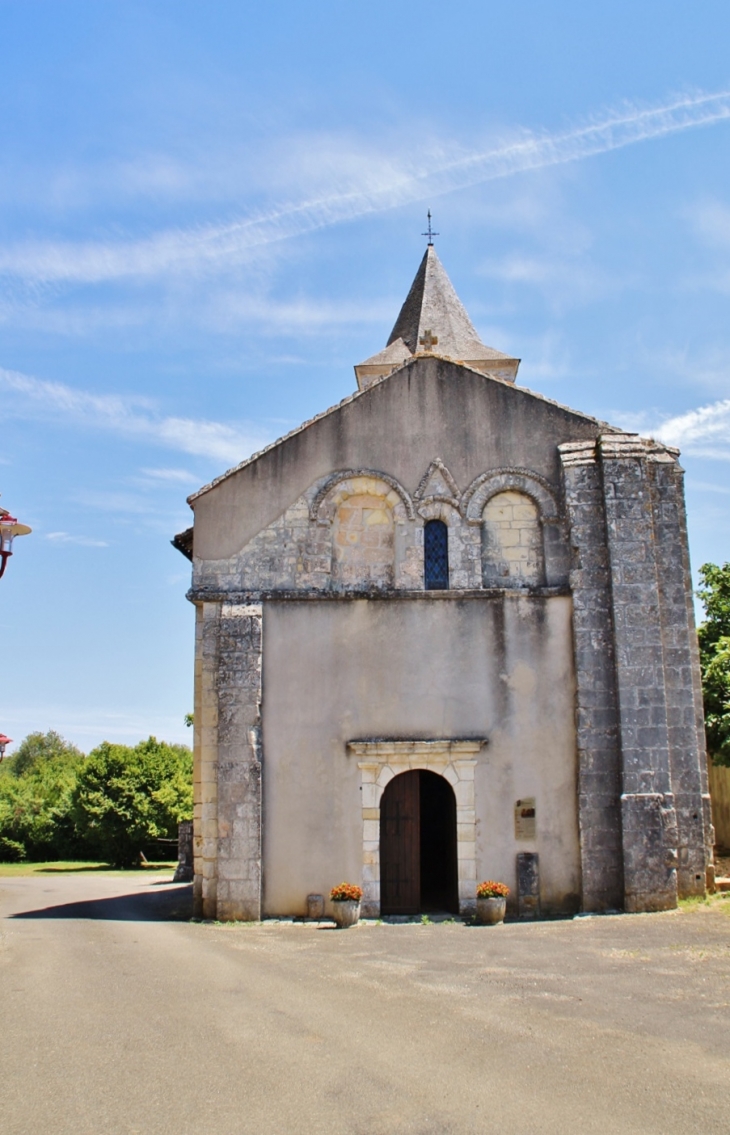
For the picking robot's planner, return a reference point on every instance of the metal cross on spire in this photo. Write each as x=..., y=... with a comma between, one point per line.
x=430, y=234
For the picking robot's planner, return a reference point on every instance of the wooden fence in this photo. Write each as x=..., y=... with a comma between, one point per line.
x=720, y=794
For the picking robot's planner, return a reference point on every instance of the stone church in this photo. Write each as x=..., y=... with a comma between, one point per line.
x=445, y=633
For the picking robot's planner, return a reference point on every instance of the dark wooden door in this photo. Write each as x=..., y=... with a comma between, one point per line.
x=400, y=845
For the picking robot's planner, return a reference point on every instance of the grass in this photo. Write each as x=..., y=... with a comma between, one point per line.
x=84, y=867
x=719, y=902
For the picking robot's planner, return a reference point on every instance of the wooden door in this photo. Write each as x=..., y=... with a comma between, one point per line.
x=400, y=845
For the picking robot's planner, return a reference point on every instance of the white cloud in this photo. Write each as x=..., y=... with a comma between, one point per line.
x=67, y=538
x=712, y=221
x=704, y=432
x=225, y=309
x=388, y=184
x=708, y=487
x=129, y=416
x=562, y=279
x=114, y=501
x=171, y=476
x=206, y=439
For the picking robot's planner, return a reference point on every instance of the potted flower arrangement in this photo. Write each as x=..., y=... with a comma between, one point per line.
x=346, y=904
x=491, y=902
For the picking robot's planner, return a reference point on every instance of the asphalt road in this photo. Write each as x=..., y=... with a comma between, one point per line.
x=118, y=1019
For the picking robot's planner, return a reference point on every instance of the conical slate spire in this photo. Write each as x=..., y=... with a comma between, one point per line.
x=433, y=320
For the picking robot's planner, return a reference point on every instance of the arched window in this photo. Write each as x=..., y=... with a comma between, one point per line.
x=436, y=556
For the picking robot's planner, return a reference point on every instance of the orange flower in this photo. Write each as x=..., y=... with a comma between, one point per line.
x=346, y=892
x=492, y=890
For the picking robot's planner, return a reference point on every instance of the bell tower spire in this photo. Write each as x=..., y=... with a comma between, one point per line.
x=433, y=320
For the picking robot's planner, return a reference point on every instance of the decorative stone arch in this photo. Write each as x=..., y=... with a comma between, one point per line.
x=439, y=508
x=355, y=482
x=487, y=485
x=379, y=762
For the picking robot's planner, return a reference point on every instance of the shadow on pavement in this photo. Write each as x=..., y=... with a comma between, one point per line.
x=161, y=906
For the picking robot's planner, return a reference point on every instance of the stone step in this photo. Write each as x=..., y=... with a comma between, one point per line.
x=723, y=883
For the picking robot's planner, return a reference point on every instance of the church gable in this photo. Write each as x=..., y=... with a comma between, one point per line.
x=433, y=427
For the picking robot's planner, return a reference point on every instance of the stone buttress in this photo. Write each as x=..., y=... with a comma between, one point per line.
x=643, y=807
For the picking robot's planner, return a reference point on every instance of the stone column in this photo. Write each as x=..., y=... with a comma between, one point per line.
x=685, y=719
x=647, y=804
x=227, y=776
x=599, y=757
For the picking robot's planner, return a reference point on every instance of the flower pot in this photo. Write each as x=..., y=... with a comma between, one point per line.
x=491, y=911
x=346, y=913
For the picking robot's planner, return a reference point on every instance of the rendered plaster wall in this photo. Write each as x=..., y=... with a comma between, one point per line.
x=344, y=670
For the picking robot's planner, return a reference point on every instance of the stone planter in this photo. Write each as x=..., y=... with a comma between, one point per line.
x=346, y=913
x=491, y=911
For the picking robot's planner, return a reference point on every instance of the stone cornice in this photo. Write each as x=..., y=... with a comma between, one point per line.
x=238, y=598
x=380, y=747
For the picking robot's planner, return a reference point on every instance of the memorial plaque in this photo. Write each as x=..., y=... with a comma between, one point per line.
x=525, y=825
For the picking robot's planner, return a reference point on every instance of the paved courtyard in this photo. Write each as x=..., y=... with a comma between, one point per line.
x=120, y=1017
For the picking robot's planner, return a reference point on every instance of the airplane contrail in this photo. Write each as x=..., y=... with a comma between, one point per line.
x=207, y=248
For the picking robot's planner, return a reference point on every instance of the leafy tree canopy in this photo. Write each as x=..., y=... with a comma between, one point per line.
x=714, y=636
x=56, y=803
x=126, y=797
x=38, y=748
x=35, y=798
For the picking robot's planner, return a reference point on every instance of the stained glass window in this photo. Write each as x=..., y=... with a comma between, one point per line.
x=436, y=555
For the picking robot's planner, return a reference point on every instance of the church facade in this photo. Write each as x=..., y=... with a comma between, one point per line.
x=445, y=633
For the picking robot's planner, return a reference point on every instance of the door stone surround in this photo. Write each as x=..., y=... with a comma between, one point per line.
x=379, y=761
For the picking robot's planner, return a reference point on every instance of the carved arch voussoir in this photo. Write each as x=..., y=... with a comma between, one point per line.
x=488, y=484
x=351, y=482
x=439, y=508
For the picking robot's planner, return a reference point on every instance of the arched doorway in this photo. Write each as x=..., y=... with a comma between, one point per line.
x=418, y=864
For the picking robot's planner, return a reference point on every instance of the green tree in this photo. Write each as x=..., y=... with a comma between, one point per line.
x=126, y=798
x=714, y=636
x=36, y=789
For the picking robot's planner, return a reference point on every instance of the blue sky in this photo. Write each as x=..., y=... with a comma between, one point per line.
x=209, y=213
